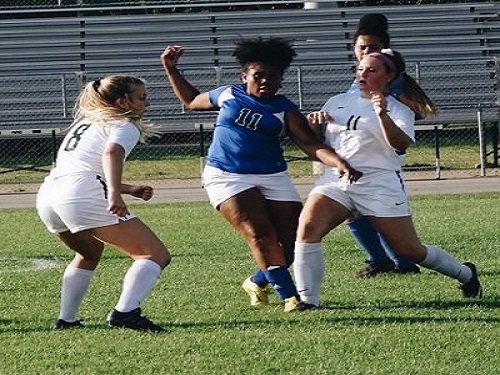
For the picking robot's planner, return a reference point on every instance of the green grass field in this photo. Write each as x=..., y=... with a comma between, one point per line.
x=415, y=324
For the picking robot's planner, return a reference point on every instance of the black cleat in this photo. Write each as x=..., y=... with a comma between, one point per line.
x=472, y=288
x=375, y=268
x=413, y=268
x=304, y=306
x=132, y=320
x=293, y=304
x=62, y=324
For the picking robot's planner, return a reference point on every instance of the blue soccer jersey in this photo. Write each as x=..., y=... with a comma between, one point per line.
x=248, y=130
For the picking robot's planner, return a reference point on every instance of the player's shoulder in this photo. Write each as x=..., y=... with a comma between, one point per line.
x=123, y=127
x=395, y=104
x=225, y=90
x=340, y=99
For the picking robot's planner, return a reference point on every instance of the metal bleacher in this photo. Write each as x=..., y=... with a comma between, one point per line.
x=45, y=61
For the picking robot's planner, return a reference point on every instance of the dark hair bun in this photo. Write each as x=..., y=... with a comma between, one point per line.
x=373, y=21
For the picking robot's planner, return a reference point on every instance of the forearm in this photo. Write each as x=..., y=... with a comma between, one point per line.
x=328, y=156
x=126, y=188
x=113, y=169
x=321, y=152
x=393, y=135
x=183, y=90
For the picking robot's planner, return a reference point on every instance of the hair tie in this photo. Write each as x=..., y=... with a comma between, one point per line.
x=96, y=84
x=387, y=51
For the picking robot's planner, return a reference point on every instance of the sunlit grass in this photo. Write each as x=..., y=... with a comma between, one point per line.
x=388, y=325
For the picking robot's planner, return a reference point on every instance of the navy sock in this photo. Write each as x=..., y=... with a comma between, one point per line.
x=281, y=280
x=259, y=278
x=368, y=238
x=399, y=261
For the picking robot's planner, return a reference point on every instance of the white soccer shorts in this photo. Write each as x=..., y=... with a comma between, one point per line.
x=221, y=185
x=75, y=202
x=380, y=194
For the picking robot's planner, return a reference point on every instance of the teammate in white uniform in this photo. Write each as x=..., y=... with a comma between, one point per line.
x=245, y=176
x=366, y=130
x=81, y=200
x=372, y=36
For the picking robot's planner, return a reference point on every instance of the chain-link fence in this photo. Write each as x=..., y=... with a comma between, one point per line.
x=177, y=158
x=453, y=144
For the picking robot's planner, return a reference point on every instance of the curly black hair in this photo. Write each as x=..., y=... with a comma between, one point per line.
x=374, y=24
x=273, y=51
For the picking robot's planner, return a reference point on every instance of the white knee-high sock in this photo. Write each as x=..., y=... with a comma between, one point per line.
x=308, y=269
x=75, y=283
x=439, y=260
x=138, y=282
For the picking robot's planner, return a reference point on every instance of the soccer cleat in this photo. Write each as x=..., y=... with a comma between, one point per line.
x=373, y=269
x=293, y=304
x=472, y=288
x=259, y=296
x=407, y=270
x=132, y=320
x=62, y=324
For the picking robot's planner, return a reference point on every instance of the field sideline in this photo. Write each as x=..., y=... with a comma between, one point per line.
x=191, y=191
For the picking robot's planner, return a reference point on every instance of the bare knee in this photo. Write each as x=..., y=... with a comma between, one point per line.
x=263, y=244
x=165, y=259
x=267, y=251
x=88, y=262
x=414, y=252
x=157, y=253
x=309, y=232
x=87, y=248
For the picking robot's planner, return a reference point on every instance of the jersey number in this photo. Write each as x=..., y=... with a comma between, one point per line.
x=248, y=119
x=73, y=141
x=352, y=123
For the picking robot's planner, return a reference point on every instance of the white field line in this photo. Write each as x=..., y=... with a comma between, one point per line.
x=34, y=264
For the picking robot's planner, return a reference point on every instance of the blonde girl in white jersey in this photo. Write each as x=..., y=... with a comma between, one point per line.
x=366, y=129
x=81, y=200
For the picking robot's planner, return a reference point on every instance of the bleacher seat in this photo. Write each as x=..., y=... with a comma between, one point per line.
x=45, y=61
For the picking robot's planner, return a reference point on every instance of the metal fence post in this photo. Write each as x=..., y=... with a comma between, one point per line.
x=299, y=87
x=202, y=148
x=494, y=138
x=54, y=148
x=482, y=146
x=438, y=152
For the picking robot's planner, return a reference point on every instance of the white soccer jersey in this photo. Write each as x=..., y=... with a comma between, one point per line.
x=356, y=136
x=82, y=149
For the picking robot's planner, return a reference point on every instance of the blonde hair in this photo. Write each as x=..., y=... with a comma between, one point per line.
x=95, y=103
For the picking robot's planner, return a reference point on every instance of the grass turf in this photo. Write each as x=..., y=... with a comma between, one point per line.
x=416, y=324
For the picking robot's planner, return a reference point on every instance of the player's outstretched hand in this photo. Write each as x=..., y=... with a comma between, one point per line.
x=142, y=191
x=171, y=55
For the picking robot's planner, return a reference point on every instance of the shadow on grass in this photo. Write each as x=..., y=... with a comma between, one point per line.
x=357, y=320
x=437, y=311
